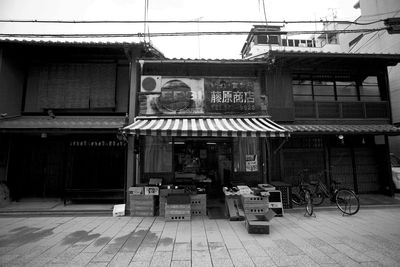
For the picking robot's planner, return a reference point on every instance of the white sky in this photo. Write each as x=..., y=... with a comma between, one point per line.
x=228, y=47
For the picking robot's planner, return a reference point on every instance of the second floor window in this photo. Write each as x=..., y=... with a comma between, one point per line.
x=71, y=86
x=325, y=88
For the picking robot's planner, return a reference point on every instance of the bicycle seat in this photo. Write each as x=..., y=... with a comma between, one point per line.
x=313, y=182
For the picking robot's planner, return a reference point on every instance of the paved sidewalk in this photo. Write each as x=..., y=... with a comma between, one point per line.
x=371, y=238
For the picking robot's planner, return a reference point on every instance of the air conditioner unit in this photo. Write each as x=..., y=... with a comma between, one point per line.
x=150, y=84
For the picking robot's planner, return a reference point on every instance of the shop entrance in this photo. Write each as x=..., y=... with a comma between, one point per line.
x=206, y=162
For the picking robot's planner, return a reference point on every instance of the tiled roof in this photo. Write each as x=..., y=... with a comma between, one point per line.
x=344, y=129
x=63, y=122
x=72, y=41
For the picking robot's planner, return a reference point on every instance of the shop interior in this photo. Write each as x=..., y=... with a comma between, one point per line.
x=204, y=162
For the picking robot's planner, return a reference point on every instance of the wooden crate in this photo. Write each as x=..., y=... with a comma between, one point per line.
x=252, y=199
x=177, y=212
x=142, y=205
x=256, y=210
x=198, y=212
x=170, y=218
x=257, y=224
x=198, y=203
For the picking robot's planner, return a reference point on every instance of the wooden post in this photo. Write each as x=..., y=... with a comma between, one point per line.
x=134, y=76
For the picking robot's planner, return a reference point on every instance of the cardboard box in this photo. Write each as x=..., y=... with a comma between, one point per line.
x=151, y=190
x=119, y=210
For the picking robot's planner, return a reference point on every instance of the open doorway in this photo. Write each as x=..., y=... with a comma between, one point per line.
x=206, y=160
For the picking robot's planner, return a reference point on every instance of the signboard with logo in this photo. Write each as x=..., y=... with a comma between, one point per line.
x=180, y=95
x=171, y=95
x=234, y=95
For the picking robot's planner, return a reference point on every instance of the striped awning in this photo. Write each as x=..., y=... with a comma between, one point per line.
x=253, y=127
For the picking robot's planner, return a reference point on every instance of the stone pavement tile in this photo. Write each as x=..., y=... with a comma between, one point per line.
x=40, y=261
x=373, y=264
x=139, y=264
x=352, y=253
x=182, y=252
x=157, y=226
x=161, y=258
x=302, y=260
x=241, y=231
x=107, y=253
x=210, y=225
x=382, y=258
x=288, y=247
x=199, y=243
x=214, y=236
x=82, y=259
x=264, y=261
x=229, y=236
x=317, y=255
x=133, y=242
x=254, y=249
x=201, y=258
x=97, y=264
x=168, y=235
x=121, y=259
x=240, y=257
x=6, y=249
x=343, y=260
x=144, y=253
x=218, y=251
x=183, y=233
x=29, y=255
x=70, y=253
x=222, y=262
x=278, y=256
x=323, y=246
x=4, y=259
x=181, y=264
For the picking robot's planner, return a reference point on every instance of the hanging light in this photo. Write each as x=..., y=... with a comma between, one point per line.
x=341, y=138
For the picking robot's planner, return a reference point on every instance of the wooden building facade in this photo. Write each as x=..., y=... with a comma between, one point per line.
x=332, y=111
x=62, y=105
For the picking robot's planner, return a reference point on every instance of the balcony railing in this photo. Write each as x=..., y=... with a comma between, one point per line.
x=342, y=110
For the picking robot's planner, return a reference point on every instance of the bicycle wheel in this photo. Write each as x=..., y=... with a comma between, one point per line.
x=309, y=203
x=296, y=199
x=347, y=201
x=318, y=197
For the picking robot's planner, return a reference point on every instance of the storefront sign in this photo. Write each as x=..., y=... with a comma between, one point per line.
x=177, y=95
x=232, y=95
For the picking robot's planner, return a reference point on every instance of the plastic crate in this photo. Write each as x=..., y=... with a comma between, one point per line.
x=286, y=190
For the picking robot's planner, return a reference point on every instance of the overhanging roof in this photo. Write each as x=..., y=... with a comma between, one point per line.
x=343, y=129
x=292, y=57
x=224, y=127
x=62, y=122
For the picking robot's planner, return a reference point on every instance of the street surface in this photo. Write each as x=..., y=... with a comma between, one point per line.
x=370, y=238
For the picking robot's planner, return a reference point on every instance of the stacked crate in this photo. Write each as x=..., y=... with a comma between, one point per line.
x=177, y=207
x=254, y=204
x=198, y=204
x=286, y=191
x=163, y=198
x=142, y=205
x=275, y=202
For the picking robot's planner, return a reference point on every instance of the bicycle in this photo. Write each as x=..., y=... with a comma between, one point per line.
x=303, y=197
x=345, y=199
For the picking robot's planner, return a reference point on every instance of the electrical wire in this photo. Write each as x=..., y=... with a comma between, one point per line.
x=188, y=21
x=162, y=34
